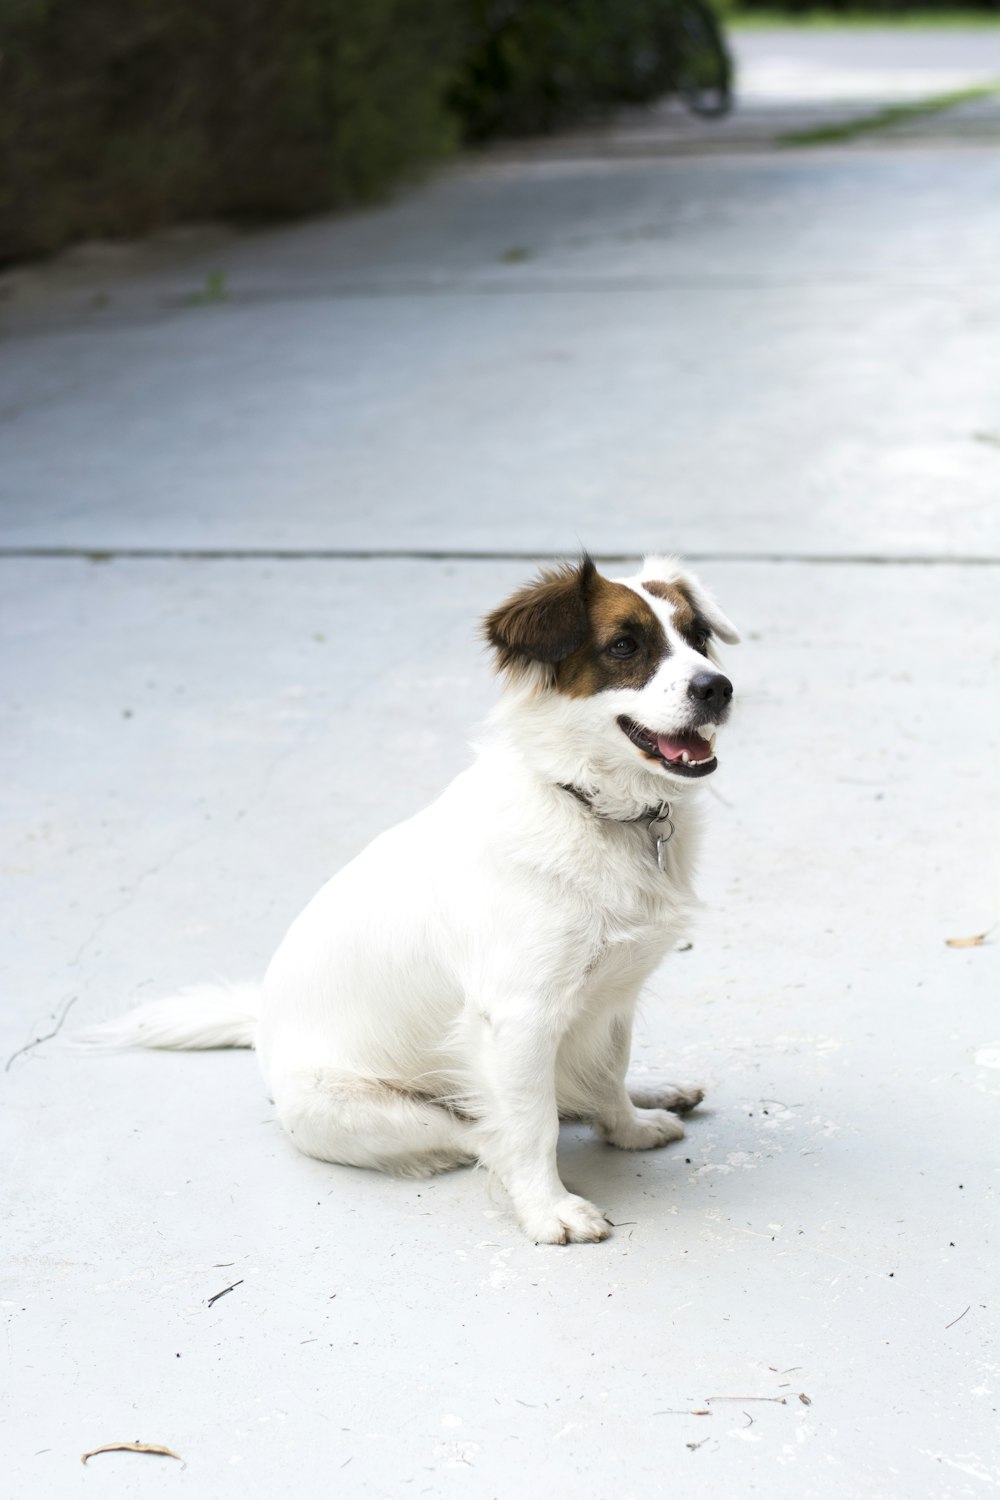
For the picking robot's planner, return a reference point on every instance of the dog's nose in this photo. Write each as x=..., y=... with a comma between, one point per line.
x=710, y=688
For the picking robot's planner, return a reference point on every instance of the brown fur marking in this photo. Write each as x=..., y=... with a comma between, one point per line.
x=567, y=619
x=544, y=621
x=613, y=610
x=687, y=619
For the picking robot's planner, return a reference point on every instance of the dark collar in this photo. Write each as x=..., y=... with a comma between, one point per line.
x=656, y=813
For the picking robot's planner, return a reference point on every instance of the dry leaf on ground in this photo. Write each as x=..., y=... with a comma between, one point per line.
x=131, y=1448
x=969, y=942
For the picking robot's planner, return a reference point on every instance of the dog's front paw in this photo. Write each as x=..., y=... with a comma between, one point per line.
x=649, y=1128
x=569, y=1220
x=680, y=1099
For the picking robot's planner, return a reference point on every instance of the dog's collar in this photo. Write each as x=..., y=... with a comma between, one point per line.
x=656, y=818
x=654, y=812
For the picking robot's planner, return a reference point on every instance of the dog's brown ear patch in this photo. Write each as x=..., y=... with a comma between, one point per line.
x=546, y=621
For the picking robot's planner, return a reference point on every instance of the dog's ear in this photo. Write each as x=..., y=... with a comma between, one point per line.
x=710, y=612
x=671, y=570
x=546, y=621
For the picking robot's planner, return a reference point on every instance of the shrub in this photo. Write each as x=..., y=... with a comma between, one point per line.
x=119, y=116
x=536, y=64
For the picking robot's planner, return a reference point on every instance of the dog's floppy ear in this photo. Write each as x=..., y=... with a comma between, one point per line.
x=710, y=612
x=546, y=621
x=671, y=570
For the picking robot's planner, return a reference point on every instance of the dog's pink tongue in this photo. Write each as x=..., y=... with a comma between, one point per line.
x=673, y=747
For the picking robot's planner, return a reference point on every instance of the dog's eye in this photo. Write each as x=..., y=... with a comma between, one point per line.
x=700, y=638
x=623, y=646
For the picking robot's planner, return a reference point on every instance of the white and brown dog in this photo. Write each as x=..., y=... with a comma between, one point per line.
x=473, y=974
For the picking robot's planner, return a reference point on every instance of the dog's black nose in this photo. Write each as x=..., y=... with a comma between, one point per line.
x=710, y=688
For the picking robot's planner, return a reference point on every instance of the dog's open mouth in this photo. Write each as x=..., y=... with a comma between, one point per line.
x=685, y=754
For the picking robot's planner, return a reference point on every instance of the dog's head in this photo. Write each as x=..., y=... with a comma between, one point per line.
x=623, y=668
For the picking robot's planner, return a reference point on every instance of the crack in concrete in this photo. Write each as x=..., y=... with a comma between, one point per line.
x=435, y=554
x=133, y=891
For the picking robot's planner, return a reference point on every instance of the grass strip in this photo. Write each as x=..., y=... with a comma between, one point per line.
x=884, y=119
x=738, y=19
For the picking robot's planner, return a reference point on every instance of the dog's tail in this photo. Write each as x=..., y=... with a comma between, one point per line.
x=205, y=1015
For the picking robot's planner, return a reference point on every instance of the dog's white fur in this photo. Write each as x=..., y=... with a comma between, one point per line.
x=473, y=974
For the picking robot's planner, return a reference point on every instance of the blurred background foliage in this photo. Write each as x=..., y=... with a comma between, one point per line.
x=919, y=12
x=531, y=65
x=121, y=116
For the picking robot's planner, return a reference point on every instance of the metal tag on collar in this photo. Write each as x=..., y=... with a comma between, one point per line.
x=662, y=831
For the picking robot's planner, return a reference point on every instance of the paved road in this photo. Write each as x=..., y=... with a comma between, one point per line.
x=779, y=352
x=782, y=362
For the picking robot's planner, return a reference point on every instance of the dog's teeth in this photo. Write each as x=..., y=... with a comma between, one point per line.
x=711, y=742
x=685, y=757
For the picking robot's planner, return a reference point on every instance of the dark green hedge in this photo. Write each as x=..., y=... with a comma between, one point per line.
x=120, y=116
x=532, y=66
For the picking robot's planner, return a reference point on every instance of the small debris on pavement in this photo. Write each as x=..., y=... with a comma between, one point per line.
x=225, y=1289
x=131, y=1448
x=38, y=1040
x=968, y=942
x=778, y=1400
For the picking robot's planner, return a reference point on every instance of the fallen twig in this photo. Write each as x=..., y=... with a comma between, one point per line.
x=958, y=1319
x=131, y=1448
x=778, y=1400
x=40, y=1039
x=225, y=1289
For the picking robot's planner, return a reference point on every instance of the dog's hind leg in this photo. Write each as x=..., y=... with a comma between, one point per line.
x=679, y=1099
x=364, y=1122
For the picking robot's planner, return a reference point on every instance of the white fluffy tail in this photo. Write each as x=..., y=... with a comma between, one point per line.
x=205, y=1015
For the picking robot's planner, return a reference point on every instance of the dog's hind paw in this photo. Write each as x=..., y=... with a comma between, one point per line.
x=679, y=1099
x=570, y=1220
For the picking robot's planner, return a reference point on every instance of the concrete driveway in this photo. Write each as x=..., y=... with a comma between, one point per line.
x=256, y=493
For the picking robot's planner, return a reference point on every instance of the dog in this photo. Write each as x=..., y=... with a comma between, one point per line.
x=472, y=976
